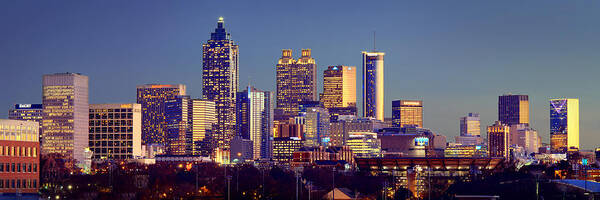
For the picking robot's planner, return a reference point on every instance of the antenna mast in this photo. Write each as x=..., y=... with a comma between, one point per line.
x=374, y=46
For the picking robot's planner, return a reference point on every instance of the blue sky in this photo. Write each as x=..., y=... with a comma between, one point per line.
x=458, y=56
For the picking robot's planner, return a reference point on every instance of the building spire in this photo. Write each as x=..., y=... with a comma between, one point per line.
x=220, y=32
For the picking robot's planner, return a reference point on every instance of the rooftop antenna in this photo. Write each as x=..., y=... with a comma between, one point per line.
x=374, y=46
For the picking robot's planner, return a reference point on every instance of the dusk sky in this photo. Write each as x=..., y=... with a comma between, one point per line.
x=457, y=56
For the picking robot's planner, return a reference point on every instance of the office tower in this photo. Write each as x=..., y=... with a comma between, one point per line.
x=513, y=109
x=242, y=115
x=220, y=82
x=19, y=158
x=204, y=117
x=152, y=98
x=179, y=125
x=256, y=112
x=296, y=81
x=339, y=87
x=373, y=105
x=364, y=144
x=316, y=126
x=284, y=148
x=115, y=131
x=564, y=124
x=470, y=130
x=27, y=112
x=339, y=130
x=498, y=140
x=65, y=118
x=522, y=135
x=407, y=113
x=470, y=125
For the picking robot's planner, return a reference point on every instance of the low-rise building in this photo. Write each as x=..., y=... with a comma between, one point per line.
x=19, y=156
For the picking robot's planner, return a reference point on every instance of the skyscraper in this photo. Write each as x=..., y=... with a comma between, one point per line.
x=255, y=107
x=179, y=125
x=498, y=140
x=470, y=125
x=204, y=117
x=152, y=98
x=470, y=130
x=115, y=131
x=66, y=113
x=296, y=81
x=373, y=105
x=407, y=112
x=513, y=109
x=220, y=82
x=339, y=87
x=316, y=126
x=564, y=124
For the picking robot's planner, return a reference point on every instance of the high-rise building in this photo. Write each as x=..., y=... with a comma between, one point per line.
x=407, y=113
x=373, y=89
x=470, y=125
x=513, y=109
x=498, y=139
x=152, y=98
x=242, y=115
x=19, y=157
x=115, y=131
x=339, y=87
x=296, y=81
x=564, y=124
x=66, y=115
x=316, y=126
x=522, y=135
x=254, y=107
x=204, y=117
x=470, y=130
x=27, y=112
x=220, y=82
x=179, y=125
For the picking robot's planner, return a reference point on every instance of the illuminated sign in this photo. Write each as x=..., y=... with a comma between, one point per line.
x=421, y=141
x=325, y=140
x=411, y=103
x=24, y=105
x=478, y=147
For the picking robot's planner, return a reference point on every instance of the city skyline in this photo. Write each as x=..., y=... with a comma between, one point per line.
x=440, y=117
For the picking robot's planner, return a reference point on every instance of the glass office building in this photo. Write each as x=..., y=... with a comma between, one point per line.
x=373, y=102
x=256, y=112
x=407, y=113
x=513, y=109
x=220, y=82
x=564, y=124
x=152, y=98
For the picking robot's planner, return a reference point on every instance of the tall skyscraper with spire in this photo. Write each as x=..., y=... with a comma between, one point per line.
x=296, y=81
x=373, y=85
x=220, y=82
